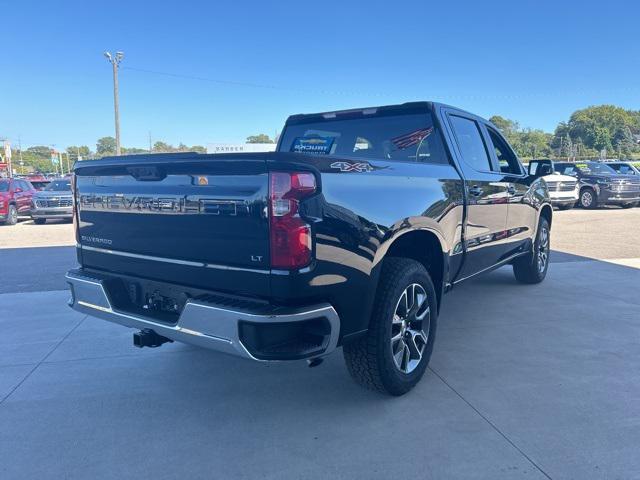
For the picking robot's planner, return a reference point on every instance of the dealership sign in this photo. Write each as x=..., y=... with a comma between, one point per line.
x=240, y=147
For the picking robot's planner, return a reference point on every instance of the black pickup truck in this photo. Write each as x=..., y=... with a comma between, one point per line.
x=348, y=235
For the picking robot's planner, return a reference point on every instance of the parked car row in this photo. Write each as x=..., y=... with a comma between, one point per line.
x=19, y=198
x=589, y=184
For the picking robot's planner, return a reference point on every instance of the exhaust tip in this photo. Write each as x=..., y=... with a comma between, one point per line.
x=314, y=362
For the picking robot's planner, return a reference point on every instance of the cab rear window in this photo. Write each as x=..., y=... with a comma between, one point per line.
x=405, y=138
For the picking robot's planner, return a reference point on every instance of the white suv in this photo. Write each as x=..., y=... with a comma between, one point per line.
x=564, y=190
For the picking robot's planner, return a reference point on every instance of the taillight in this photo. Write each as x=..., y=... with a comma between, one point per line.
x=290, y=234
x=76, y=225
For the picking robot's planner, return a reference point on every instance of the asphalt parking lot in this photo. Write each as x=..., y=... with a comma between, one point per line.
x=525, y=382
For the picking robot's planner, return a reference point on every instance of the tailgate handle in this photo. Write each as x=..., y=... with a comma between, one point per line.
x=147, y=173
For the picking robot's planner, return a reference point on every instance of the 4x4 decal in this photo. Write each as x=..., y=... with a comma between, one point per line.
x=352, y=167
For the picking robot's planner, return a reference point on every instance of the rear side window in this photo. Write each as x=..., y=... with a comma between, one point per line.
x=623, y=169
x=472, y=148
x=404, y=138
x=506, y=158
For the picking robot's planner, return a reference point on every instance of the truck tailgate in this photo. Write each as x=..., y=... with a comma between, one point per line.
x=189, y=219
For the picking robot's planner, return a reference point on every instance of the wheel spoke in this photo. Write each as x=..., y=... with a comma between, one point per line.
x=421, y=315
x=403, y=306
x=398, y=355
x=416, y=343
x=411, y=298
x=395, y=339
x=406, y=358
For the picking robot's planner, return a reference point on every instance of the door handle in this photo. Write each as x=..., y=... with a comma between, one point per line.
x=511, y=190
x=476, y=191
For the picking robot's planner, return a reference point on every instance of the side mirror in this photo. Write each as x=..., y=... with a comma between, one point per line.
x=18, y=190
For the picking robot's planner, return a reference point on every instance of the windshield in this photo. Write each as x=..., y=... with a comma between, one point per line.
x=59, y=186
x=4, y=186
x=595, y=168
x=409, y=138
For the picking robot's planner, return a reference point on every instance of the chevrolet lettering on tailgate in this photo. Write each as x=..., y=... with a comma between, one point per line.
x=166, y=204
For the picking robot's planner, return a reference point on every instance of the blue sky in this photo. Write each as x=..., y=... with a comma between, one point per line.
x=535, y=62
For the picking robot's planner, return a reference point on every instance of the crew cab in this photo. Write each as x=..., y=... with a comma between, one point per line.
x=602, y=185
x=564, y=190
x=15, y=199
x=348, y=235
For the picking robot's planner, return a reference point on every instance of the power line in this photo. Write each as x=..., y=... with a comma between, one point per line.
x=481, y=96
x=245, y=84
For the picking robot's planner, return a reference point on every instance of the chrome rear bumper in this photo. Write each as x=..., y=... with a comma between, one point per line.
x=200, y=323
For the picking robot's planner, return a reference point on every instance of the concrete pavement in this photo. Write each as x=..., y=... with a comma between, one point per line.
x=513, y=392
x=525, y=382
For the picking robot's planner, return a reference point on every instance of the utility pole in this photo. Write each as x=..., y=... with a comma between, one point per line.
x=115, y=63
x=150, y=145
x=20, y=155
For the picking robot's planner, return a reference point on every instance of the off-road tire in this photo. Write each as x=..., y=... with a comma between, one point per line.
x=369, y=359
x=527, y=268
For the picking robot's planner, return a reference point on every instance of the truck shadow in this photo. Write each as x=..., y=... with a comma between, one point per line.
x=577, y=291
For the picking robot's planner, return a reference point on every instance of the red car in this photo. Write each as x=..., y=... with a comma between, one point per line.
x=15, y=199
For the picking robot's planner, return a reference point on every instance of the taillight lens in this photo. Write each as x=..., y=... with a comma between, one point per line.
x=76, y=226
x=290, y=235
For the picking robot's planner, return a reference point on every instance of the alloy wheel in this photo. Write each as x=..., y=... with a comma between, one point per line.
x=543, y=249
x=410, y=328
x=586, y=199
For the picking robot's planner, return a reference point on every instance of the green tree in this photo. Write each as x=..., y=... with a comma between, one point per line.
x=260, y=138
x=605, y=127
x=526, y=142
x=162, y=147
x=506, y=126
x=106, y=146
x=133, y=150
x=83, y=151
x=36, y=158
x=534, y=143
x=40, y=150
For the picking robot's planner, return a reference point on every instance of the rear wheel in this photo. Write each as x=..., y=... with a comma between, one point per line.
x=39, y=221
x=394, y=355
x=532, y=268
x=588, y=198
x=628, y=205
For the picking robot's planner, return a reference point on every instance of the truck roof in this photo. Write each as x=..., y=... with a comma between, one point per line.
x=395, y=109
